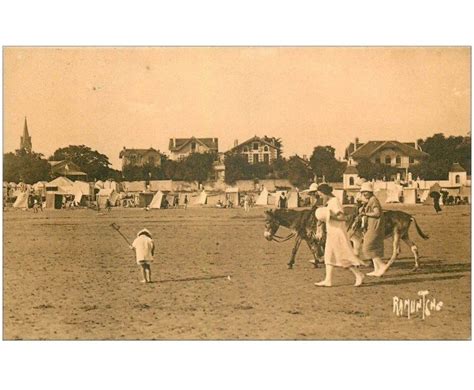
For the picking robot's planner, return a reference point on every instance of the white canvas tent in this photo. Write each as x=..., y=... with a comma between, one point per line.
x=157, y=201
x=99, y=184
x=262, y=199
x=21, y=201
x=409, y=195
x=60, y=184
x=202, y=198
x=393, y=195
x=107, y=194
x=232, y=194
x=293, y=200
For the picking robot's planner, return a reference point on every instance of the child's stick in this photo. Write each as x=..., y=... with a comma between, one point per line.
x=117, y=228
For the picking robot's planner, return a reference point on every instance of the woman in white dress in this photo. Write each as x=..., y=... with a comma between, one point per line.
x=338, y=250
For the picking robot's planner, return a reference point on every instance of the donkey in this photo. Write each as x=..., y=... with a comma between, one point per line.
x=303, y=224
x=397, y=225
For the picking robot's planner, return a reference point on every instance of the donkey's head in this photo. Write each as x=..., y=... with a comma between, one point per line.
x=271, y=224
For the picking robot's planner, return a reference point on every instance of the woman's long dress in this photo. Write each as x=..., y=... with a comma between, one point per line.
x=338, y=251
x=375, y=235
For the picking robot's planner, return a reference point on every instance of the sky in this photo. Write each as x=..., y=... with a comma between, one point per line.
x=108, y=98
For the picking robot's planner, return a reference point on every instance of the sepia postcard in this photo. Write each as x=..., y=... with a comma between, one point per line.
x=237, y=193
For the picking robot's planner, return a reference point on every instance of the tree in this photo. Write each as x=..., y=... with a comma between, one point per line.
x=198, y=166
x=236, y=168
x=299, y=172
x=443, y=152
x=324, y=163
x=27, y=167
x=95, y=164
x=375, y=171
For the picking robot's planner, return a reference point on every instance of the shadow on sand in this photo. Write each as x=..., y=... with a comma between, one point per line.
x=386, y=282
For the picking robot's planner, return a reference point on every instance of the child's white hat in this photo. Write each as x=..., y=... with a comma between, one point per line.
x=144, y=231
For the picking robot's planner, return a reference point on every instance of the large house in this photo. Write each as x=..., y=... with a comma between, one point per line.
x=140, y=157
x=182, y=147
x=401, y=155
x=258, y=149
x=67, y=169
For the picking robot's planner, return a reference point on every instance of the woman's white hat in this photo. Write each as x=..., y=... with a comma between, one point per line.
x=313, y=187
x=367, y=187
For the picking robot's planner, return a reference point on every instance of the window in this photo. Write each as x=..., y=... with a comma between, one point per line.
x=265, y=148
x=351, y=181
x=377, y=160
x=266, y=158
x=398, y=160
x=255, y=158
x=246, y=149
x=193, y=146
x=458, y=179
x=151, y=160
x=412, y=160
x=388, y=160
x=255, y=146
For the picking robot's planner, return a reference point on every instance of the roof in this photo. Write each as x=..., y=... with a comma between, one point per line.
x=176, y=144
x=126, y=152
x=456, y=167
x=351, y=170
x=65, y=167
x=368, y=149
x=254, y=138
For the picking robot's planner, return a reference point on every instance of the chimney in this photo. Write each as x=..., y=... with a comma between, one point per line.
x=356, y=143
x=304, y=157
x=174, y=142
x=416, y=145
x=236, y=142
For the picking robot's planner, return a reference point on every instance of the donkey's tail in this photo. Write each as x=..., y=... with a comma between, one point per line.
x=420, y=232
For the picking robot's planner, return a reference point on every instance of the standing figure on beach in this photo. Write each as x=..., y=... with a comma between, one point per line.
x=246, y=203
x=185, y=202
x=338, y=250
x=436, y=195
x=371, y=211
x=144, y=250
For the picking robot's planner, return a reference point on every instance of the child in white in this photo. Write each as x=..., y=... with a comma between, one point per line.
x=144, y=251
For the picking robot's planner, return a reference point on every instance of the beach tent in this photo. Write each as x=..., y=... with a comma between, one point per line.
x=232, y=194
x=262, y=199
x=107, y=194
x=393, y=194
x=157, y=201
x=145, y=198
x=81, y=190
x=293, y=200
x=202, y=198
x=21, y=201
x=409, y=195
x=99, y=184
x=60, y=184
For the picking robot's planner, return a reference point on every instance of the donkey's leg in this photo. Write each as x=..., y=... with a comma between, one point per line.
x=316, y=259
x=396, y=246
x=294, y=251
x=414, y=249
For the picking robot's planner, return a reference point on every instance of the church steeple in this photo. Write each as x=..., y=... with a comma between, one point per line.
x=25, y=141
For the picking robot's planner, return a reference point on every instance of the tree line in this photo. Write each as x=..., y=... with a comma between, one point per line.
x=31, y=167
